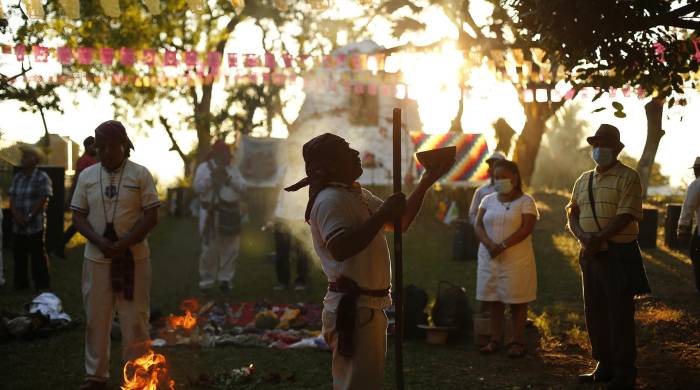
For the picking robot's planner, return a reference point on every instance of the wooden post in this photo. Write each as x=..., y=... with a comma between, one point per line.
x=398, y=255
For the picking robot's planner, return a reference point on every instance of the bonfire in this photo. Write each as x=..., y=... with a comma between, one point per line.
x=148, y=372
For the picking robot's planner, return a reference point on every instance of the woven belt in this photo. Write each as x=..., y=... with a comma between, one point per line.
x=333, y=286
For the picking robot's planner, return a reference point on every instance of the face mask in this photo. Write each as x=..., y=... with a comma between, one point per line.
x=603, y=156
x=503, y=186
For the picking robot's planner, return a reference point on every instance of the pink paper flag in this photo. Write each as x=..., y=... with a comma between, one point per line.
x=697, y=50
x=251, y=60
x=327, y=61
x=340, y=60
x=386, y=90
x=270, y=61
x=232, y=60
x=288, y=60
x=170, y=58
x=355, y=61
x=659, y=50
x=41, y=53
x=214, y=61
x=149, y=57
x=106, y=56
x=278, y=79
x=65, y=55
x=20, y=51
x=191, y=58
x=372, y=89
x=266, y=77
x=85, y=55
x=127, y=56
x=359, y=89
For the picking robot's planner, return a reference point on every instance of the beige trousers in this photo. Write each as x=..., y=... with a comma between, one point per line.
x=217, y=263
x=365, y=369
x=100, y=304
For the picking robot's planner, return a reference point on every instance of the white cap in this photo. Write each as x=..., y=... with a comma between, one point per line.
x=497, y=155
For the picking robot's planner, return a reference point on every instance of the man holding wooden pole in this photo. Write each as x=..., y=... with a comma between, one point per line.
x=347, y=224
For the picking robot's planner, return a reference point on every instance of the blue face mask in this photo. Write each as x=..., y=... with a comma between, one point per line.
x=603, y=156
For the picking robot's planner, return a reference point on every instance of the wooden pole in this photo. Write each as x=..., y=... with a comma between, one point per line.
x=398, y=255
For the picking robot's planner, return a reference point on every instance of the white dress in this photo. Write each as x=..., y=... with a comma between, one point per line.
x=512, y=276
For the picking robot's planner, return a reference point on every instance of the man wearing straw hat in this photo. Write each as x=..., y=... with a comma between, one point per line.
x=115, y=206
x=691, y=208
x=347, y=229
x=604, y=214
x=29, y=193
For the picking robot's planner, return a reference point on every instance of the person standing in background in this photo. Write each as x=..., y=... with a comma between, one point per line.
x=486, y=189
x=2, y=269
x=691, y=208
x=220, y=187
x=29, y=193
x=88, y=158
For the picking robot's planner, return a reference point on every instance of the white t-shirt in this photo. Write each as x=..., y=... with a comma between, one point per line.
x=123, y=195
x=336, y=210
x=691, y=206
x=479, y=195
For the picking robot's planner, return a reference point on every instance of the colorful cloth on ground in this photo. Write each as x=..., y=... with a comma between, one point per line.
x=25, y=192
x=472, y=152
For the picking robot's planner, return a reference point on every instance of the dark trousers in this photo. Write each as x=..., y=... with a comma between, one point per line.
x=31, y=247
x=609, y=310
x=286, y=246
x=695, y=257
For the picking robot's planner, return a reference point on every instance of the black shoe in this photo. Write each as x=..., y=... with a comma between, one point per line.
x=599, y=375
x=225, y=287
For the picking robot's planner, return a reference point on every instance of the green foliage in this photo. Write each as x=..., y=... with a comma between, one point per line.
x=563, y=155
x=655, y=179
x=612, y=44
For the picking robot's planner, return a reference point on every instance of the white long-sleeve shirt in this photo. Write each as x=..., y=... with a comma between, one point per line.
x=230, y=192
x=691, y=205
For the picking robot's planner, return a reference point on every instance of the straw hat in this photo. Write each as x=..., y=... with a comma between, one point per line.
x=31, y=149
x=697, y=163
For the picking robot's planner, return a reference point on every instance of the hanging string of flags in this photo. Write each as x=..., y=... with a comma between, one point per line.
x=71, y=8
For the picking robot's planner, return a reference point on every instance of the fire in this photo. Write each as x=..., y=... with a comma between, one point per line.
x=149, y=372
x=187, y=322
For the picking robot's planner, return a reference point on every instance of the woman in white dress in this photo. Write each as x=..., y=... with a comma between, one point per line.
x=506, y=273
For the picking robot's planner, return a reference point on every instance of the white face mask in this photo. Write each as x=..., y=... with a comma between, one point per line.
x=503, y=186
x=603, y=156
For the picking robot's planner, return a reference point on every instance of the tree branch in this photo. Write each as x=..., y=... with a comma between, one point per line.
x=175, y=146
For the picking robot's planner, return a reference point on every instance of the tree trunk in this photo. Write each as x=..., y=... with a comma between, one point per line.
x=202, y=120
x=654, y=110
x=528, y=143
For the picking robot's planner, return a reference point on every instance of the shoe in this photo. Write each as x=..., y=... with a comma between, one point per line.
x=299, y=287
x=280, y=287
x=599, y=375
x=225, y=287
x=93, y=385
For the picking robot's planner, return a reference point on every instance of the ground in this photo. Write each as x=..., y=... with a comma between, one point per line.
x=667, y=323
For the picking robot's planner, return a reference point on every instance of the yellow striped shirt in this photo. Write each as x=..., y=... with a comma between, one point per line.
x=616, y=191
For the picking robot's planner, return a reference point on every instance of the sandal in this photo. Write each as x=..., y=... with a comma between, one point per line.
x=516, y=350
x=492, y=347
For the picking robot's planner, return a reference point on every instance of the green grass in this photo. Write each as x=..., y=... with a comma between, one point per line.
x=668, y=327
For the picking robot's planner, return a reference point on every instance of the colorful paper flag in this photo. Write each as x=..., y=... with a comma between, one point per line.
x=127, y=56
x=111, y=8
x=71, y=8
x=251, y=60
x=270, y=61
x=170, y=58
x=41, y=53
x=34, y=8
x=153, y=6
x=65, y=55
x=191, y=58
x=232, y=60
x=20, y=51
x=149, y=56
x=214, y=61
x=106, y=56
x=85, y=55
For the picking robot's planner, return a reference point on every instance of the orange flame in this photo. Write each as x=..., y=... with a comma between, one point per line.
x=149, y=373
x=187, y=322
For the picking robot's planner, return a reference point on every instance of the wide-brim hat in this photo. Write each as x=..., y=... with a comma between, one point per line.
x=606, y=132
x=33, y=150
x=696, y=164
